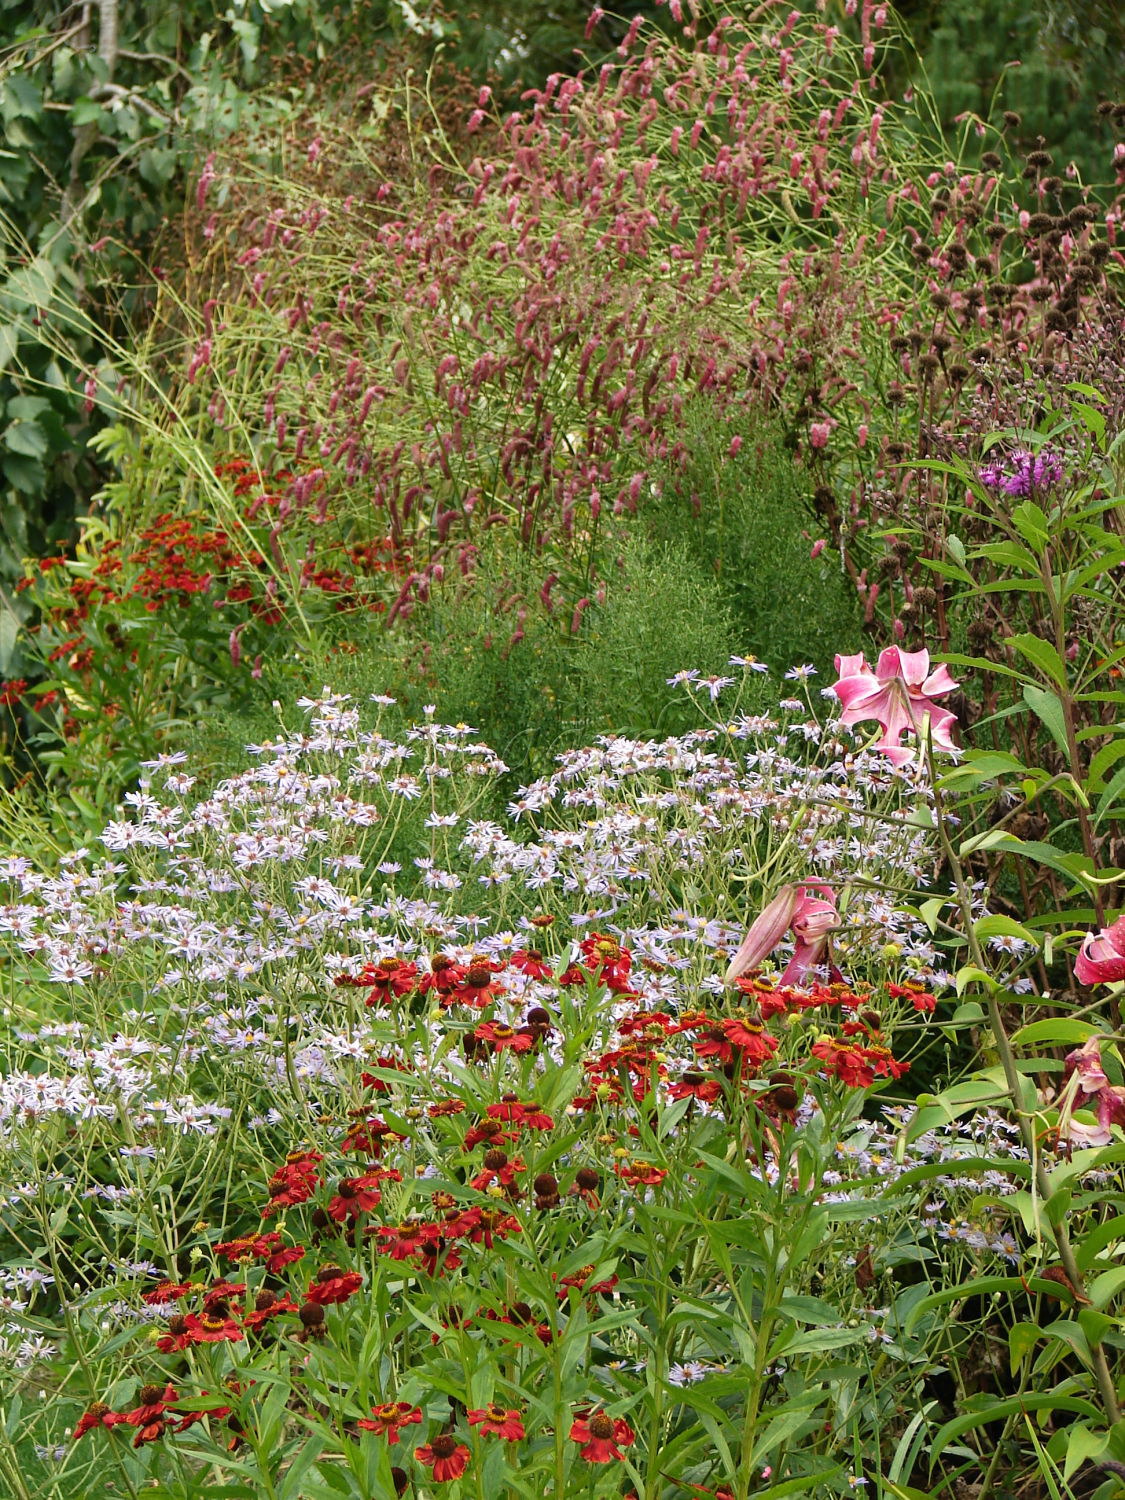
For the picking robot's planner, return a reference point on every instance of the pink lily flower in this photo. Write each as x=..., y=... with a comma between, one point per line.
x=809, y=918
x=899, y=693
x=1101, y=959
x=1086, y=1084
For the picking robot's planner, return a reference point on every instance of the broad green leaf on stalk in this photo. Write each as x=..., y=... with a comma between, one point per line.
x=1042, y=655
x=930, y=911
x=816, y=1341
x=1076, y=581
x=972, y=974
x=999, y=926
x=1110, y=797
x=785, y=1425
x=1011, y=1406
x=1032, y=524
x=25, y=438
x=942, y=1109
x=905, y=1491
x=1106, y=1286
x=1092, y=419
x=968, y=1013
x=986, y=764
x=809, y=1310
x=1058, y=1030
x=1011, y=586
x=962, y=1167
x=1022, y=1339
x=1063, y=1331
x=1095, y=1325
x=1082, y=1444
x=1030, y=1208
x=1010, y=555
x=1076, y=867
x=1048, y=709
x=1094, y=1241
x=1102, y=759
x=981, y=663
x=948, y=570
x=982, y=1286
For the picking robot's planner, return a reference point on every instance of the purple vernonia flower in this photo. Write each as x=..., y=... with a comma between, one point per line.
x=1027, y=472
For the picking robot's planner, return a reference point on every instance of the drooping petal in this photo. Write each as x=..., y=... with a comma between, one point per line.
x=938, y=682
x=813, y=917
x=765, y=933
x=805, y=957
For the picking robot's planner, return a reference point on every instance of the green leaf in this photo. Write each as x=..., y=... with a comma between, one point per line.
x=1076, y=867
x=1022, y=1339
x=1012, y=1406
x=982, y=1286
x=962, y=1167
x=1059, y=1031
x=981, y=663
x=1082, y=1444
x=1099, y=1239
x=1042, y=655
x=1049, y=710
x=9, y=343
x=1102, y=760
x=817, y=1341
x=85, y=112
x=25, y=438
x=809, y=1310
x=1032, y=524
x=1106, y=1286
x=20, y=97
x=1011, y=555
x=999, y=926
x=1095, y=1325
x=950, y=1104
x=930, y=911
x=1110, y=797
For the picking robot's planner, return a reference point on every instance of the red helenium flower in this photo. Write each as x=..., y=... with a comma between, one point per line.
x=389, y=1418
x=446, y=1456
x=507, y=1424
x=333, y=1285
x=602, y=1437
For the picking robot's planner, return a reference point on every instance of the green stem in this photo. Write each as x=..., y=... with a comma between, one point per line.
x=1102, y=1373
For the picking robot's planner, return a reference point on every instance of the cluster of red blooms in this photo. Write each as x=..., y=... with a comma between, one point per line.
x=509, y=1166
x=601, y=1437
x=177, y=560
x=155, y=1414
